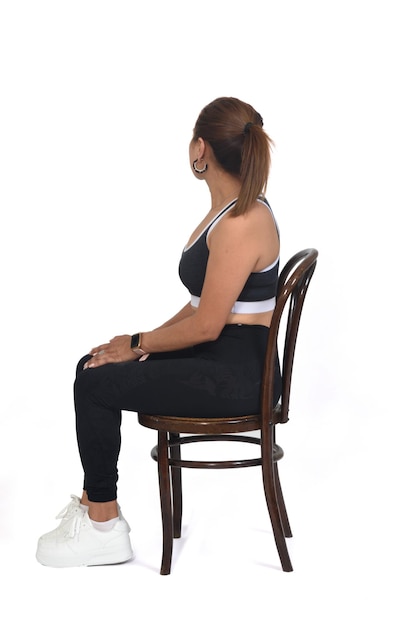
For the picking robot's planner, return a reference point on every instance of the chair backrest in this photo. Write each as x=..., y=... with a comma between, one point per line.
x=293, y=283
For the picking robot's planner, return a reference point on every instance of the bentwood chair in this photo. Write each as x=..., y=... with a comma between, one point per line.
x=174, y=432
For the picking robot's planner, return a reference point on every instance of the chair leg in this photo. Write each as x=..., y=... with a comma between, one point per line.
x=268, y=475
x=166, y=503
x=281, y=504
x=280, y=497
x=175, y=451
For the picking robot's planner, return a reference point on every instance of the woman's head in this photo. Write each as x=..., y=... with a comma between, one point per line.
x=233, y=129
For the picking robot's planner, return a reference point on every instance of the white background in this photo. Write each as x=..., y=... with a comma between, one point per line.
x=98, y=101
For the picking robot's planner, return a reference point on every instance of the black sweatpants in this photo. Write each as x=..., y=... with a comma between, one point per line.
x=213, y=379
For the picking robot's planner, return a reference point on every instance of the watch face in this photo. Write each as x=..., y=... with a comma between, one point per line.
x=135, y=341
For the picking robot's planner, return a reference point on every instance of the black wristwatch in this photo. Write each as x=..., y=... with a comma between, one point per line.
x=135, y=344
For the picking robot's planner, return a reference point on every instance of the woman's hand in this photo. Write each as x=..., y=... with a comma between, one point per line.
x=117, y=350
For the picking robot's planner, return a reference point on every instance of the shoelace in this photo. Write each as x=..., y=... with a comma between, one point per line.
x=73, y=528
x=70, y=509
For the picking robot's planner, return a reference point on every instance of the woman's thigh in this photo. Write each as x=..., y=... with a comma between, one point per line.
x=208, y=382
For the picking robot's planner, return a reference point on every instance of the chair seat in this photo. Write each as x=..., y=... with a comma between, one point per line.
x=207, y=425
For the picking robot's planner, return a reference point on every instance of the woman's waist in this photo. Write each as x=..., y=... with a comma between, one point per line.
x=250, y=319
x=237, y=344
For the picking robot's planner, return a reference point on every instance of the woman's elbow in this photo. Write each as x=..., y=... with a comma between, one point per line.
x=210, y=330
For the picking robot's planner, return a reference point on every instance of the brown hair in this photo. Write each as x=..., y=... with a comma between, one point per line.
x=240, y=145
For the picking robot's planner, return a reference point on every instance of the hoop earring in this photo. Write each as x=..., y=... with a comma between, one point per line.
x=196, y=168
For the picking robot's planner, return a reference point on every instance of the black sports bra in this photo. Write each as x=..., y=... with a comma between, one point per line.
x=258, y=294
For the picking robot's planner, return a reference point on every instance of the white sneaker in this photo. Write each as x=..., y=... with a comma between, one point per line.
x=76, y=542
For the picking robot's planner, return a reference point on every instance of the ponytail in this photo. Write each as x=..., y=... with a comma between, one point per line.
x=254, y=169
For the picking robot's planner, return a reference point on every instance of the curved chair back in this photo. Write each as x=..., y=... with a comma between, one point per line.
x=292, y=287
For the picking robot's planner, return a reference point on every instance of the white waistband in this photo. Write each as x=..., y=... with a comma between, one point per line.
x=260, y=306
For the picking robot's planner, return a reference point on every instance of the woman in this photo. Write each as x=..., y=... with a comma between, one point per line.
x=206, y=360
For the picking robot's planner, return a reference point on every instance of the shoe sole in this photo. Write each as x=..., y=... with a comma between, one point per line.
x=104, y=558
x=94, y=562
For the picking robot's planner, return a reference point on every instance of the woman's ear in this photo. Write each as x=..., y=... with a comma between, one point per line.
x=201, y=148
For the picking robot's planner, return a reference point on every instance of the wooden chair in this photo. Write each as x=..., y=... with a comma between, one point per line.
x=174, y=432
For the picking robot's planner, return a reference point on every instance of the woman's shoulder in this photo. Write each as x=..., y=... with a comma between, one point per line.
x=259, y=214
x=254, y=223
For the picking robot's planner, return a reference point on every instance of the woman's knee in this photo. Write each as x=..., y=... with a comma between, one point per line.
x=82, y=362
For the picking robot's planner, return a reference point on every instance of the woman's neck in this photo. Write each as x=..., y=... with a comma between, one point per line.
x=223, y=189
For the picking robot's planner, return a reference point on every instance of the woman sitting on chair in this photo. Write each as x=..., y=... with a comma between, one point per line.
x=207, y=360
